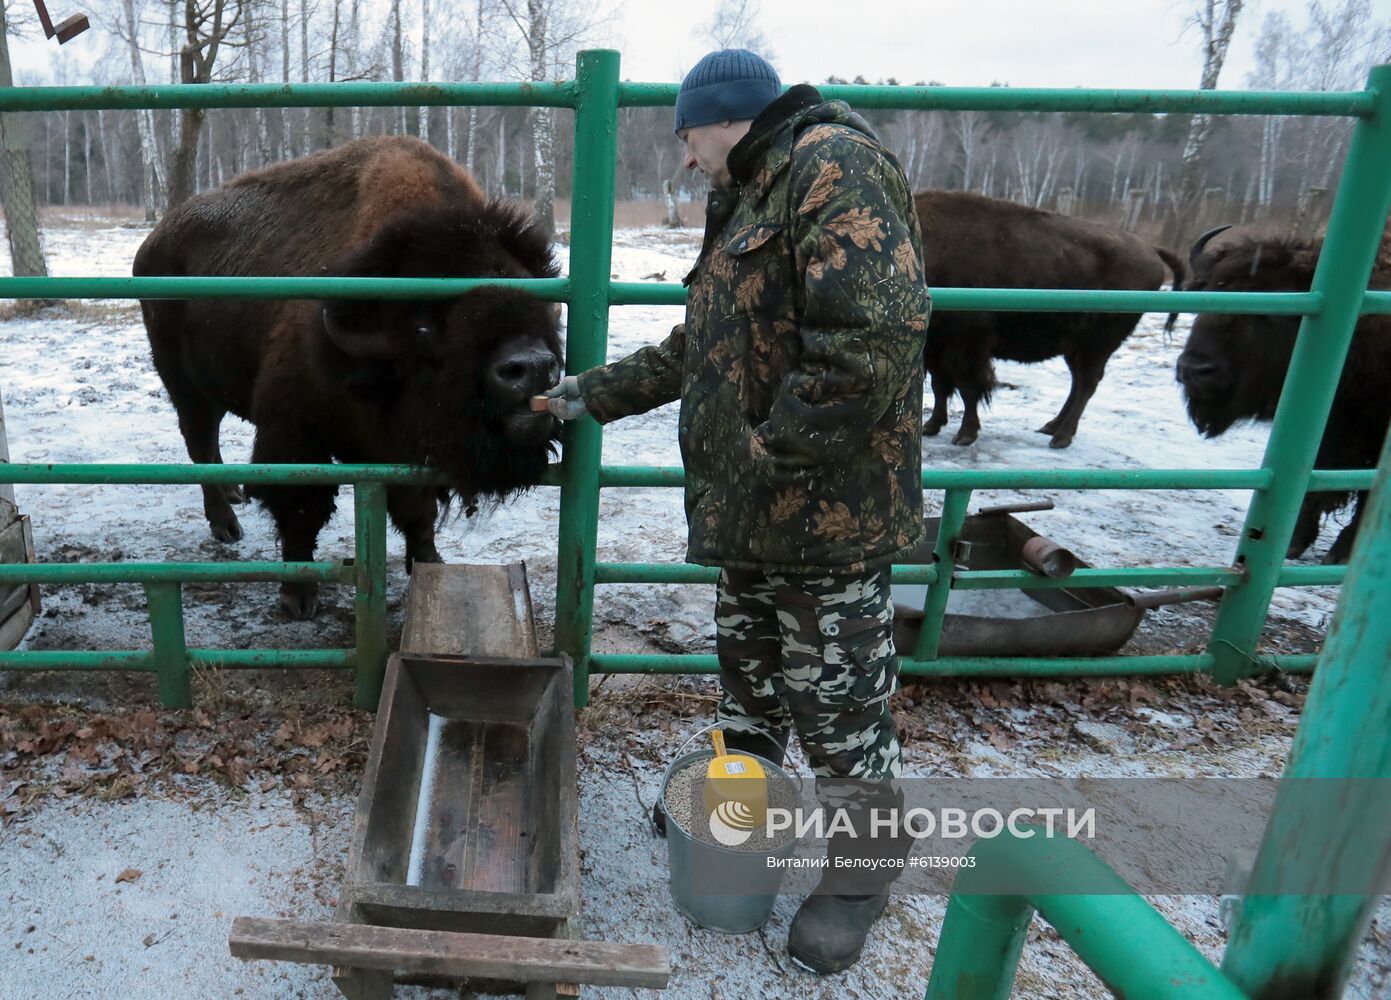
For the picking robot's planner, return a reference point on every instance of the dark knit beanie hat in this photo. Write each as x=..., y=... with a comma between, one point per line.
x=728, y=85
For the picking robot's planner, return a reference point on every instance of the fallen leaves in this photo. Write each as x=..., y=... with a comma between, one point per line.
x=129, y=875
x=57, y=751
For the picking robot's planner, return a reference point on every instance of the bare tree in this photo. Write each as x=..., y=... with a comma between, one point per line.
x=734, y=25
x=481, y=25
x=970, y=128
x=1216, y=19
x=17, y=182
x=423, y=119
x=549, y=30
x=207, y=27
x=398, y=61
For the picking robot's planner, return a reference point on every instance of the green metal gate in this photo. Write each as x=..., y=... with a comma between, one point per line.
x=1330, y=310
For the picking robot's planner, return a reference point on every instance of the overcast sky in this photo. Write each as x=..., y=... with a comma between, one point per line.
x=1043, y=43
x=1040, y=43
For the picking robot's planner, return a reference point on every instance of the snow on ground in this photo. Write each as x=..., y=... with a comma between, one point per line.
x=78, y=387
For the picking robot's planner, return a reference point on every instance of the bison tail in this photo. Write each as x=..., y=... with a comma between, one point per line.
x=1175, y=264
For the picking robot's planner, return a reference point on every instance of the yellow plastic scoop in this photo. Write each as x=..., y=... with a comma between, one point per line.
x=736, y=788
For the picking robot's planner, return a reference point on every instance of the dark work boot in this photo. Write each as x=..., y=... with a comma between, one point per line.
x=829, y=932
x=735, y=742
x=830, y=927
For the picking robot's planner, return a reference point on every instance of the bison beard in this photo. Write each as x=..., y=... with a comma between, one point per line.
x=1233, y=368
x=971, y=241
x=439, y=383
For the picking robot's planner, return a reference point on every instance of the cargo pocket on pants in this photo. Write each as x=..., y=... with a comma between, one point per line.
x=860, y=663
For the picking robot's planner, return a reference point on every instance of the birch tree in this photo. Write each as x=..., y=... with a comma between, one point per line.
x=152, y=179
x=423, y=116
x=1216, y=19
x=549, y=31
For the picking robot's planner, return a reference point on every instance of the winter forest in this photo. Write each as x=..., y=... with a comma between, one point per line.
x=1140, y=171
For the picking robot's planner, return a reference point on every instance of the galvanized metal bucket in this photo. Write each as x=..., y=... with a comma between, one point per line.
x=720, y=888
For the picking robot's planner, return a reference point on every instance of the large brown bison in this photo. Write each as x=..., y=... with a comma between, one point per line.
x=1233, y=367
x=971, y=241
x=439, y=383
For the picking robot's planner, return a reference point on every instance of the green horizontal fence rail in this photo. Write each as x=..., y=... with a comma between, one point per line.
x=1329, y=310
x=170, y=658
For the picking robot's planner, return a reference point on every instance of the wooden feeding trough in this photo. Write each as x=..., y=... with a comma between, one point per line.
x=1068, y=621
x=19, y=603
x=464, y=859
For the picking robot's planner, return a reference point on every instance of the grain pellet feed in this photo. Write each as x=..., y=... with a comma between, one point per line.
x=685, y=806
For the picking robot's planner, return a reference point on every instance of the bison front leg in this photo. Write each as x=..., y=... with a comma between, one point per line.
x=942, y=389
x=199, y=425
x=1341, y=550
x=1086, y=371
x=970, y=418
x=300, y=512
x=413, y=511
x=1306, y=526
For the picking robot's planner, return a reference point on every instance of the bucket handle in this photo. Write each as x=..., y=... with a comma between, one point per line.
x=796, y=778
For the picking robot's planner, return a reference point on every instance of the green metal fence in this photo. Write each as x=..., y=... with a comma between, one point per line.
x=1330, y=309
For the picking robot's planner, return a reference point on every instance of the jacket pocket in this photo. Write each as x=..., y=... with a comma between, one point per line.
x=749, y=238
x=753, y=274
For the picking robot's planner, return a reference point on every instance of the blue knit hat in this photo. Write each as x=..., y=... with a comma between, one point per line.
x=728, y=85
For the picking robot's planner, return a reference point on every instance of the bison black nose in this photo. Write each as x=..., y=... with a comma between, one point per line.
x=524, y=374
x=1198, y=372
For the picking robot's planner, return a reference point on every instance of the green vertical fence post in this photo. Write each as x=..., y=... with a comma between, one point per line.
x=1301, y=945
x=1344, y=267
x=369, y=572
x=170, y=657
x=954, y=505
x=586, y=344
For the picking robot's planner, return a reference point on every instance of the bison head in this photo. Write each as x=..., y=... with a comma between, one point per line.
x=1233, y=366
x=451, y=380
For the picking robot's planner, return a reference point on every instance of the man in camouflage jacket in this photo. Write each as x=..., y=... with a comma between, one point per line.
x=799, y=371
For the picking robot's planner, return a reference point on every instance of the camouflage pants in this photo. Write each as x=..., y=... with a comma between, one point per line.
x=814, y=653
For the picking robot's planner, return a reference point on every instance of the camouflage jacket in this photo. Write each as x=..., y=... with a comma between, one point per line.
x=799, y=366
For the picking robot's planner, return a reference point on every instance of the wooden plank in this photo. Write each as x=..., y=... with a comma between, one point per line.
x=468, y=610
x=530, y=915
x=13, y=628
x=497, y=859
x=490, y=956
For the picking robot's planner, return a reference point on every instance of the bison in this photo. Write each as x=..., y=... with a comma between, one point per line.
x=442, y=383
x=1233, y=367
x=976, y=242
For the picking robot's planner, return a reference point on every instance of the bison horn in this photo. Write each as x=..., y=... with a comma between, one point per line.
x=1201, y=242
x=355, y=338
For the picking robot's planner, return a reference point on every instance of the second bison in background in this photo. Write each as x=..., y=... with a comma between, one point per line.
x=443, y=383
x=1233, y=368
x=971, y=241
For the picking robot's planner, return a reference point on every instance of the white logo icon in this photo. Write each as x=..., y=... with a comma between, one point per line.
x=732, y=823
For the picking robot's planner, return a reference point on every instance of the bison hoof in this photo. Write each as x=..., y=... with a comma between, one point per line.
x=299, y=604
x=431, y=555
x=931, y=430
x=234, y=494
x=1060, y=442
x=227, y=531
x=964, y=438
